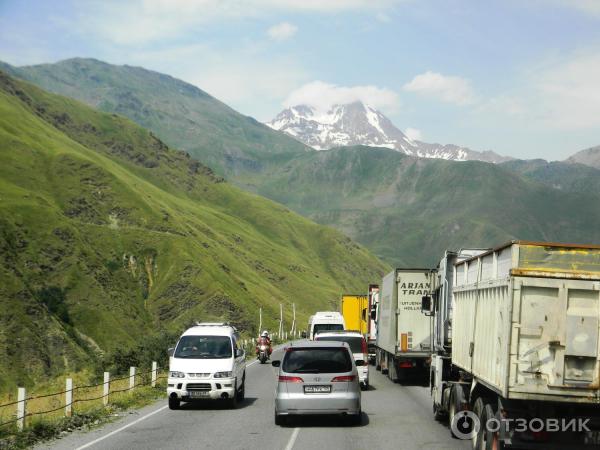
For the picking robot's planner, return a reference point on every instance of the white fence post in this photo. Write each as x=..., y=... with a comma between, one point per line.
x=20, y=408
x=106, y=388
x=154, y=370
x=69, y=397
x=131, y=378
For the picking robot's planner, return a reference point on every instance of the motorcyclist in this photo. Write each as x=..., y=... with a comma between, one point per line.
x=264, y=339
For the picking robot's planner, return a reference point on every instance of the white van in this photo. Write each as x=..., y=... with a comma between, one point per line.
x=207, y=363
x=325, y=321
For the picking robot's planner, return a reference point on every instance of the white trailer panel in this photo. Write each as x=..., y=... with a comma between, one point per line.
x=526, y=321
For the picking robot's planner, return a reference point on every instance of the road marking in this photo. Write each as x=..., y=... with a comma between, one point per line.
x=89, y=444
x=292, y=440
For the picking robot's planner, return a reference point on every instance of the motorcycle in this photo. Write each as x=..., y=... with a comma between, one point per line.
x=263, y=353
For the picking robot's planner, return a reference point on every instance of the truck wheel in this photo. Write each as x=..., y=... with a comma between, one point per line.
x=478, y=438
x=490, y=439
x=457, y=399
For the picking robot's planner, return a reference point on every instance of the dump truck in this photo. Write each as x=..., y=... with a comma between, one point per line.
x=355, y=310
x=403, y=345
x=516, y=362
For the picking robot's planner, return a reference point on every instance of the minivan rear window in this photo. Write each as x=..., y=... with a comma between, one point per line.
x=355, y=342
x=317, y=360
x=320, y=327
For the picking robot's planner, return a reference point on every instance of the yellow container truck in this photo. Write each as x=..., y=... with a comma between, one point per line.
x=355, y=310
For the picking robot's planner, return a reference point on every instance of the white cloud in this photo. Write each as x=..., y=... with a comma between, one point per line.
x=587, y=6
x=449, y=89
x=413, y=134
x=143, y=21
x=322, y=96
x=568, y=92
x=282, y=31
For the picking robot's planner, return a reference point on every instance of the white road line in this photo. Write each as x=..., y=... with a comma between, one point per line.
x=292, y=440
x=89, y=444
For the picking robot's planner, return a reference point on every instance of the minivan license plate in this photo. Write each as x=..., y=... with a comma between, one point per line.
x=198, y=394
x=317, y=389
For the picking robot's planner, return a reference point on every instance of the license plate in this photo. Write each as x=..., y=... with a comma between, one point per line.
x=317, y=389
x=199, y=394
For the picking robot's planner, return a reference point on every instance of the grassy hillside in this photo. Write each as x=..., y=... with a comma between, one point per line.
x=561, y=175
x=107, y=234
x=409, y=210
x=184, y=116
x=405, y=210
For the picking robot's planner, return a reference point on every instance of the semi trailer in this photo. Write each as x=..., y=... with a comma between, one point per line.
x=516, y=361
x=403, y=345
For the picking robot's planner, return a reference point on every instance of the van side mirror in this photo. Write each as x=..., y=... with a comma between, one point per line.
x=373, y=313
x=426, y=305
x=170, y=351
x=276, y=363
x=239, y=352
x=359, y=362
x=303, y=335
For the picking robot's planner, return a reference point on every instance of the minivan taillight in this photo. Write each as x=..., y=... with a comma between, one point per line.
x=344, y=378
x=287, y=379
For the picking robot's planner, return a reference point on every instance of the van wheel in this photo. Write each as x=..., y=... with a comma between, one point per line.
x=233, y=401
x=241, y=394
x=355, y=420
x=174, y=403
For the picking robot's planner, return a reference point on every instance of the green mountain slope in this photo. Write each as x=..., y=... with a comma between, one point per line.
x=107, y=235
x=562, y=175
x=408, y=210
x=182, y=115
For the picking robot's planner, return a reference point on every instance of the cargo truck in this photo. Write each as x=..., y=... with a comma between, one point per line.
x=403, y=346
x=519, y=366
x=372, y=329
x=355, y=310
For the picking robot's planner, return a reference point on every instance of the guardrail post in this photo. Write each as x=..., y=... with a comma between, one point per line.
x=131, y=378
x=69, y=397
x=154, y=370
x=106, y=388
x=20, y=408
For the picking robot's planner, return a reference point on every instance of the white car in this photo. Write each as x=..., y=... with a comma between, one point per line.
x=207, y=363
x=358, y=347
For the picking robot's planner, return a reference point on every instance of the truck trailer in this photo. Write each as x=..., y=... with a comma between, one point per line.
x=519, y=366
x=355, y=310
x=403, y=346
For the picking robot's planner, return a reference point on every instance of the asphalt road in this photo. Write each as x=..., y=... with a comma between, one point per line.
x=394, y=416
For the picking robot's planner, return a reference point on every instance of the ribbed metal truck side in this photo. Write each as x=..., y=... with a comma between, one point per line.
x=523, y=353
x=403, y=333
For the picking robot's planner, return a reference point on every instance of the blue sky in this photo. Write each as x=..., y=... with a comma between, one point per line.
x=521, y=78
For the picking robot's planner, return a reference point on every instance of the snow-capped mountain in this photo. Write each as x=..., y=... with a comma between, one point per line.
x=359, y=124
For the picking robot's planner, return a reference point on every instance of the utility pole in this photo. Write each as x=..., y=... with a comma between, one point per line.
x=293, y=319
x=280, y=320
x=259, y=320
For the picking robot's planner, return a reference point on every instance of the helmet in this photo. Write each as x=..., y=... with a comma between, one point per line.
x=264, y=333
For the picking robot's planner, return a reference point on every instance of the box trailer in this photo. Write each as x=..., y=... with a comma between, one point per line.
x=522, y=354
x=403, y=333
x=355, y=310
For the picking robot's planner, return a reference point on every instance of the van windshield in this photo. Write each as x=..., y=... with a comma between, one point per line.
x=320, y=327
x=317, y=360
x=203, y=347
x=355, y=342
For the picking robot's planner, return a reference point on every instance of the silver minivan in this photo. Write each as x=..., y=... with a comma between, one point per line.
x=317, y=378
